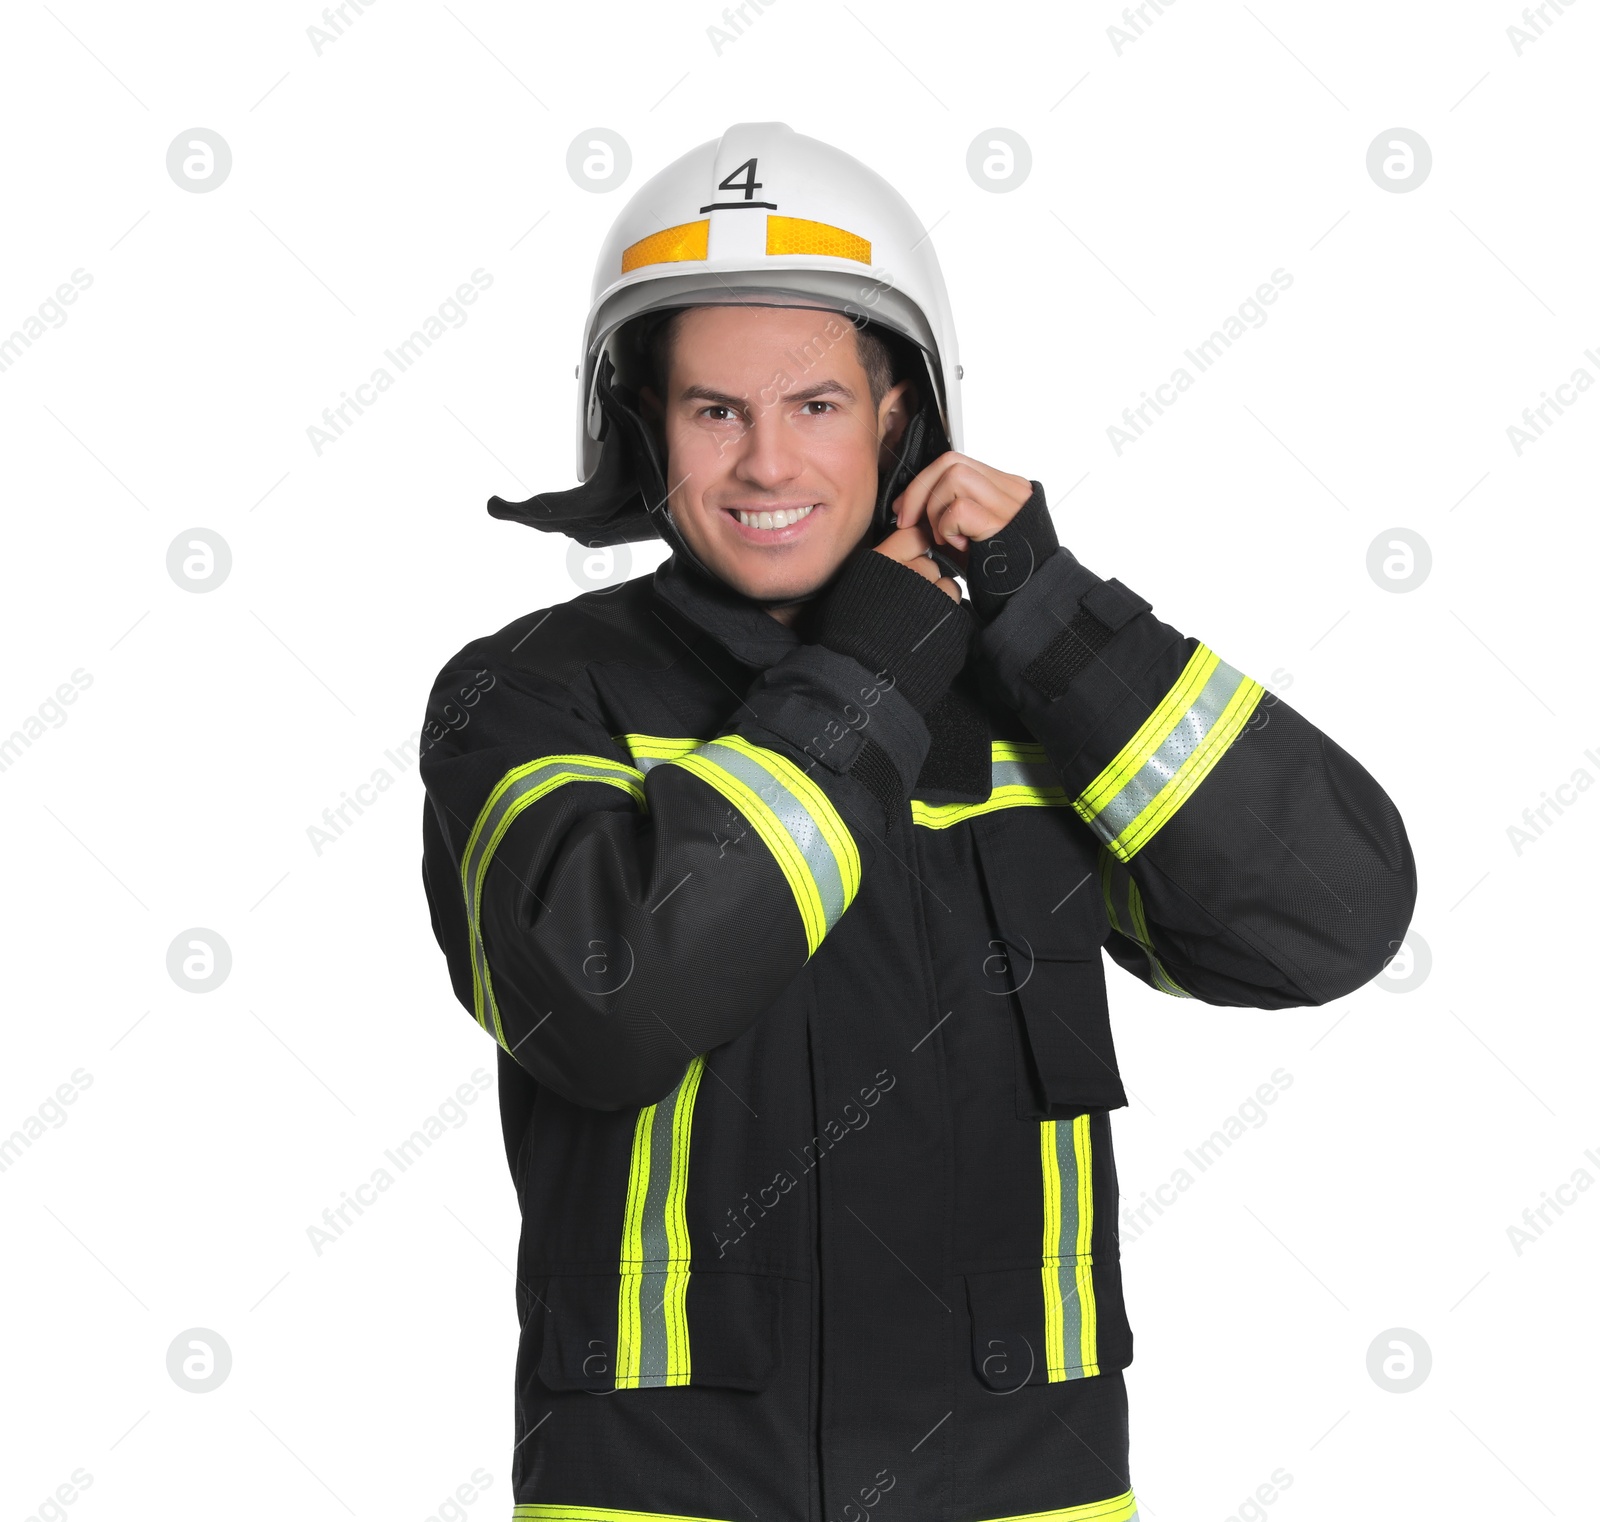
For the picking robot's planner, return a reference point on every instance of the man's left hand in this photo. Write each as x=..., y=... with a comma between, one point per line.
x=962, y=499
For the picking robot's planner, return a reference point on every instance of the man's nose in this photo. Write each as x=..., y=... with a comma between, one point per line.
x=768, y=454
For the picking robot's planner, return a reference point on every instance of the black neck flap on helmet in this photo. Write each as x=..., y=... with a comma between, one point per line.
x=625, y=500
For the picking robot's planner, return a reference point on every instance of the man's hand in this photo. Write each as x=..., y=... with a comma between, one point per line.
x=911, y=547
x=958, y=498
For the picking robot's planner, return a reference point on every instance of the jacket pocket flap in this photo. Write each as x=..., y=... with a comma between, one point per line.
x=1034, y=1326
x=1008, y=1327
x=1039, y=868
x=1072, y=1062
x=611, y=1332
x=1051, y=922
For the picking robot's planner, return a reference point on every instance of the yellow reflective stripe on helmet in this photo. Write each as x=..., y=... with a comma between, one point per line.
x=652, y=1320
x=688, y=240
x=795, y=820
x=795, y=235
x=521, y=786
x=1071, y=1332
x=1020, y=776
x=785, y=235
x=1121, y=891
x=1172, y=753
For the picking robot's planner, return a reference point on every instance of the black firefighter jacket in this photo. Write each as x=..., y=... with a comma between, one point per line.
x=794, y=961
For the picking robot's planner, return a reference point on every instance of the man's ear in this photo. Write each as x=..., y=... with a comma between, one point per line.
x=895, y=412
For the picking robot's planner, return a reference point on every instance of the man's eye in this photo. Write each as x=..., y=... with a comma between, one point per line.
x=716, y=407
x=821, y=404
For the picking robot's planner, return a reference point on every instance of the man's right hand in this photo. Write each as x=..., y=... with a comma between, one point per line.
x=912, y=546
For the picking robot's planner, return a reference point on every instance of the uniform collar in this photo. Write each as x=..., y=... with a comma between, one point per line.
x=958, y=726
x=742, y=627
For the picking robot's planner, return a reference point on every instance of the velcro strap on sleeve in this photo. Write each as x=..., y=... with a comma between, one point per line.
x=1053, y=668
x=1113, y=604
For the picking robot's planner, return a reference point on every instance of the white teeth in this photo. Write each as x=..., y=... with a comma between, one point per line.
x=780, y=519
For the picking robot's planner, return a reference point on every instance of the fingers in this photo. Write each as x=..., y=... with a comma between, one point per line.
x=924, y=567
x=961, y=499
x=954, y=519
x=942, y=481
x=912, y=548
x=912, y=503
x=905, y=544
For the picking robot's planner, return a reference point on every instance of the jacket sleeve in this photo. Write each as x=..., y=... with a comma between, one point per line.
x=608, y=908
x=1246, y=859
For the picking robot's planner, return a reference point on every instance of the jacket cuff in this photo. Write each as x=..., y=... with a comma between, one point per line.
x=1048, y=636
x=831, y=709
x=892, y=620
x=1003, y=563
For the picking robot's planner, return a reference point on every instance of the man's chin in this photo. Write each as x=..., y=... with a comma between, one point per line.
x=776, y=592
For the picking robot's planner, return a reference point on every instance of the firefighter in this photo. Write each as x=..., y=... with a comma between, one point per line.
x=781, y=877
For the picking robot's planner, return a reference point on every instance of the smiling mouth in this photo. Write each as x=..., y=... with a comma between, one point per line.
x=771, y=519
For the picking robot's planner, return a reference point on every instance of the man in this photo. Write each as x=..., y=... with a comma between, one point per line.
x=781, y=878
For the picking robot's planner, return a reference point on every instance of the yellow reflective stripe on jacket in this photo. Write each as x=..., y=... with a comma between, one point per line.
x=1171, y=755
x=652, y=1323
x=1019, y=776
x=1121, y=1508
x=649, y=750
x=1125, y=910
x=554, y=1511
x=793, y=816
x=521, y=786
x=1070, y=1331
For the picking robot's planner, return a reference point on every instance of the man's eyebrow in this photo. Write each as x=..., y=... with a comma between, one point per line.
x=810, y=394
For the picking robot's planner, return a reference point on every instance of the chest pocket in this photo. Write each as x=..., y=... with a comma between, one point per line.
x=1040, y=871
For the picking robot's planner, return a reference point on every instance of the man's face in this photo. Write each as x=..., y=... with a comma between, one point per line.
x=773, y=445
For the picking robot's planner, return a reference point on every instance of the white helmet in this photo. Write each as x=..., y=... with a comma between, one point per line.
x=761, y=215
x=763, y=210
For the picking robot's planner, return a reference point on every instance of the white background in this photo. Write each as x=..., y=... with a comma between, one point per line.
x=1168, y=180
